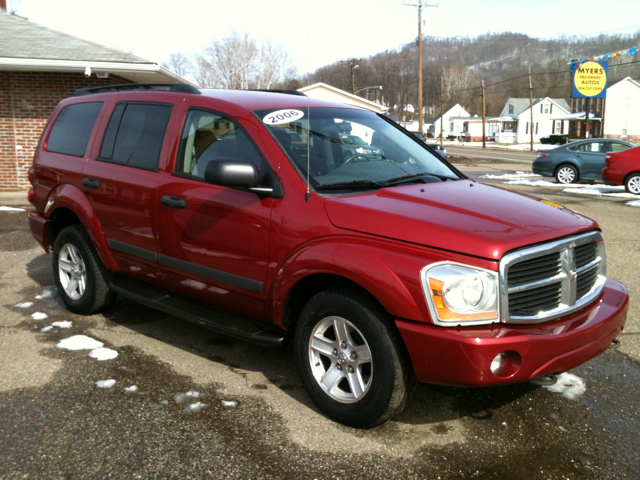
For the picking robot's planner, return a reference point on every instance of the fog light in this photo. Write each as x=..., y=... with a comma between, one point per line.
x=496, y=364
x=506, y=364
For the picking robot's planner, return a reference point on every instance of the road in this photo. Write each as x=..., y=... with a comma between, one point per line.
x=256, y=421
x=515, y=156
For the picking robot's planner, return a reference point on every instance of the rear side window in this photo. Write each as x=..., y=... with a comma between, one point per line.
x=135, y=133
x=618, y=147
x=70, y=134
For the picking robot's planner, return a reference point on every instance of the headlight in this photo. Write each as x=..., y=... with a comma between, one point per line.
x=459, y=294
x=363, y=150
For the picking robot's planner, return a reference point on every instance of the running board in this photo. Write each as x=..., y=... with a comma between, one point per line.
x=220, y=321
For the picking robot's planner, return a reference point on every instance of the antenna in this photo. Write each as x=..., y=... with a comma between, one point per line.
x=307, y=195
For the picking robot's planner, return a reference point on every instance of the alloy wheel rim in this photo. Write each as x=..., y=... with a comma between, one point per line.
x=340, y=359
x=72, y=271
x=634, y=185
x=566, y=175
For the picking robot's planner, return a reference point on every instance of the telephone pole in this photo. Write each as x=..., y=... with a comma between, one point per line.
x=352, y=64
x=420, y=6
x=484, y=118
x=531, y=110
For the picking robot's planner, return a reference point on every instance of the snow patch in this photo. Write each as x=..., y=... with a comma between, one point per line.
x=131, y=389
x=11, y=209
x=23, y=304
x=635, y=203
x=164, y=402
x=47, y=294
x=229, y=403
x=102, y=353
x=568, y=385
x=39, y=316
x=79, y=342
x=600, y=190
x=46, y=329
x=195, y=407
x=106, y=383
x=188, y=397
x=62, y=324
x=508, y=176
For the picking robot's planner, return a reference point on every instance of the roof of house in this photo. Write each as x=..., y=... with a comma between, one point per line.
x=21, y=38
x=627, y=79
x=522, y=104
x=447, y=110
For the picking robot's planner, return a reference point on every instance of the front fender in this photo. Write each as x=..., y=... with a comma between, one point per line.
x=72, y=198
x=390, y=271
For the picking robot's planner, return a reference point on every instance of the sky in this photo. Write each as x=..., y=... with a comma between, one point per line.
x=321, y=32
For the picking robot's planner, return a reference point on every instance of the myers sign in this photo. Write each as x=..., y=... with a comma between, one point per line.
x=589, y=79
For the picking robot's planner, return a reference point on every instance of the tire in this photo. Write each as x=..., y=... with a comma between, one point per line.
x=78, y=272
x=351, y=359
x=632, y=183
x=567, y=174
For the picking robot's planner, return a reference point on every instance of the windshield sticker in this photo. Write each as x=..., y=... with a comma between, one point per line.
x=283, y=116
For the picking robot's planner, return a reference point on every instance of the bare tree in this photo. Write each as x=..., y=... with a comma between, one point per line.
x=274, y=65
x=179, y=64
x=228, y=63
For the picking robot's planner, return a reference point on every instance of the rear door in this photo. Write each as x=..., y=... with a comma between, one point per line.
x=121, y=181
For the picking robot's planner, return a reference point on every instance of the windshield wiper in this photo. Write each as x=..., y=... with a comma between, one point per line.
x=414, y=178
x=355, y=185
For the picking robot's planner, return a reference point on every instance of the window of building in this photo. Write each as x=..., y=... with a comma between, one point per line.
x=510, y=109
x=72, y=129
x=546, y=108
x=209, y=137
x=624, y=129
x=135, y=134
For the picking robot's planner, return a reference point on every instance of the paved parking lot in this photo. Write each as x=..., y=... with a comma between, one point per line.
x=206, y=407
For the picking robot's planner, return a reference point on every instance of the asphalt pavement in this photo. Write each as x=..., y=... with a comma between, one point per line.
x=209, y=407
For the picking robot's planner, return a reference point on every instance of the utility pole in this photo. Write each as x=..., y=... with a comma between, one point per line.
x=531, y=110
x=352, y=64
x=441, y=107
x=484, y=106
x=420, y=6
x=586, y=119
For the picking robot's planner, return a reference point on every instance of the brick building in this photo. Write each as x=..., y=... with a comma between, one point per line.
x=38, y=68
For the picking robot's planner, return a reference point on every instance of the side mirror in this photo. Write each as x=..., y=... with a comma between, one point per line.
x=232, y=173
x=441, y=153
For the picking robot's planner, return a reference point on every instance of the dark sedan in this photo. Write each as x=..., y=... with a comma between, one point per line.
x=581, y=160
x=436, y=146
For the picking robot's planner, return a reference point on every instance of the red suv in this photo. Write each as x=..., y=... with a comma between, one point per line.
x=246, y=212
x=623, y=168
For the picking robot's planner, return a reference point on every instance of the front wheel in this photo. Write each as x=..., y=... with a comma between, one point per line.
x=351, y=359
x=567, y=174
x=78, y=276
x=632, y=183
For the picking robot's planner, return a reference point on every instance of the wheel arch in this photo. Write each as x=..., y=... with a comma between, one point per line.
x=67, y=205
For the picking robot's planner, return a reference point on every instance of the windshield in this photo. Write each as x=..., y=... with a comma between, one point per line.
x=352, y=149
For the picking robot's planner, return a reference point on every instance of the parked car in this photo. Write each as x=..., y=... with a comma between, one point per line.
x=623, y=168
x=358, y=147
x=440, y=150
x=581, y=160
x=240, y=211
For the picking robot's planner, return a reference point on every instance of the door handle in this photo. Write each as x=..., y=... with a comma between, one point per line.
x=91, y=183
x=174, y=202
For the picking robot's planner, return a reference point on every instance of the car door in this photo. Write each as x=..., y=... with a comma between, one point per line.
x=214, y=240
x=590, y=158
x=121, y=179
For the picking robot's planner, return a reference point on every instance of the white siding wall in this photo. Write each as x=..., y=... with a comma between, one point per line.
x=543, y=120
x=623, y=105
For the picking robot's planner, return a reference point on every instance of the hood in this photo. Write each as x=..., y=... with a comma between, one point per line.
x=460, y=216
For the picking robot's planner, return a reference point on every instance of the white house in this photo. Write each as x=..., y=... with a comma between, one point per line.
x=472, y=128
x=516, y=119
x=454, y=118
x=621, y=119
x=322, y=91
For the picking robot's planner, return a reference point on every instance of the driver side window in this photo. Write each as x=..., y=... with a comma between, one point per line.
x=209, y=137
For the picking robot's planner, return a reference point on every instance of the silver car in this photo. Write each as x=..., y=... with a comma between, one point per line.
x=581, y=160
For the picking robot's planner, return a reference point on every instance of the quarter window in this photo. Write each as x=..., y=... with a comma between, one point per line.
x=70, y=134
x=209, y=137
x=135, y=134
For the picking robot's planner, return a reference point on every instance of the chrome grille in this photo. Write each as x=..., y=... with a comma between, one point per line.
x=544, y=282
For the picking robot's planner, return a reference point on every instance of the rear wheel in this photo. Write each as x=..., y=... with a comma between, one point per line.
x=78, y=274
x=632, y=183
x=351, y=359
x=567, y=174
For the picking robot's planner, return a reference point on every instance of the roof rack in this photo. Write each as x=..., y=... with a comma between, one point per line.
x=170, y=87
x=286, y=91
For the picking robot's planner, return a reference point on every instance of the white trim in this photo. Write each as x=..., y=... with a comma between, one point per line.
x=43, y=65
x=373, y=105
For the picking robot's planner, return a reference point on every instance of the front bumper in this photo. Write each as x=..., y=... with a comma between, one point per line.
x=462, y=356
